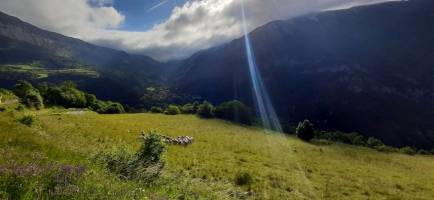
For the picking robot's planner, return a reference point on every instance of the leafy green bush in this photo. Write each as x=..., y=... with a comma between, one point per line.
x=27, y=120
x=145, y=164
x=156, y=109
x=3, y=109
x=243, y=178
x=423, y=152
x=112, y=108
x=288, y=129
x=206, y=110
x=374, y=143
x=187, y=109
x=234, y=111
x=30, y=97
x=388, y=149
x=407, y=150
x=359, y=141
x=172, y=110
x=305, y=131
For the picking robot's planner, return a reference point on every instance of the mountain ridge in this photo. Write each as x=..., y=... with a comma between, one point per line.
x=366, y=69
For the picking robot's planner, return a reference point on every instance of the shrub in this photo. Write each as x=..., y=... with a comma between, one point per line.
x=234, y=111
x=3, y=108
x=305, y=131
x=156, y=109
x=359, y=141
x=424, y=152
x=206, y=110
x=145, y=164
x=374, y=143
x=27, y=120
x=112, y=108
x=407, y=150
x=172, y=110
x=388, y=149
x=187, y=109
x=243, y=178
x=432, y=151
x=288, y=129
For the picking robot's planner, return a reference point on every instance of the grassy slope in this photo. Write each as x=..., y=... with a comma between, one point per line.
x=282, y=167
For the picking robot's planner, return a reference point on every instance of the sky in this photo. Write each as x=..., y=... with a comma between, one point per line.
x=162, y=29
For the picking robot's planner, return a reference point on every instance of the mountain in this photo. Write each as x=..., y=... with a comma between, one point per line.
x=122, y=77
x=368, y=69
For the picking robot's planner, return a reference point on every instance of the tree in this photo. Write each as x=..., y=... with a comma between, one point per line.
x=359, y=141
x=195, y=107
x=187, y=109
x=234, y=111
x=113, y=108
x=374, y=143
x=22, y=88
x=156, y=109
x=305, y=131
x=43, y=89
x=206, y=110
x=28, y=95
x=172, y=110
x=90, y=99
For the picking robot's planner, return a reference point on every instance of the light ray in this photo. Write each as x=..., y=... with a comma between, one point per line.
x=262, y=99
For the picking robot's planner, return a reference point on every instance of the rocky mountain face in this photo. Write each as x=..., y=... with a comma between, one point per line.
x=367, y=69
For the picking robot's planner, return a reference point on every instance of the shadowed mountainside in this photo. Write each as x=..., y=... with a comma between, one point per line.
x=367, y=69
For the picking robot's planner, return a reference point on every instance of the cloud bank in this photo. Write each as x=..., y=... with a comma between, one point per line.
x=194, y=26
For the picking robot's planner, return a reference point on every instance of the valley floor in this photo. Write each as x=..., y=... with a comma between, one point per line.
x=281, y=167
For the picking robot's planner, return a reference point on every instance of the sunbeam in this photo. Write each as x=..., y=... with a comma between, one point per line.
x=262, y=99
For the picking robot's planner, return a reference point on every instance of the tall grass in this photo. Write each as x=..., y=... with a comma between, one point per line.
x=226, y=161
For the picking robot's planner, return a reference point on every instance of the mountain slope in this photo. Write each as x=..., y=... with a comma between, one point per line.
x=121, y=76
x=367, y=69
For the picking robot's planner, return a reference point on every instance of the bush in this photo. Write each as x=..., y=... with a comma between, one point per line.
x=172, y=110
x=187, y=109
x=146, y=164
x=28, y=120
x=359, y=141
x=388, y=149
x=288, y=129
x=112, y=108
x=305, y=131
x=424, y=152
x=156, y=109
x=432, y=151
x=206, y=110
x=3, y=108
x=234, y=111
x=243, y=178
x=374, y=143
x=407, y=150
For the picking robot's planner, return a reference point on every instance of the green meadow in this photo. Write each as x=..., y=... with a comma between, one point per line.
x=226, y=161
x=42, y=72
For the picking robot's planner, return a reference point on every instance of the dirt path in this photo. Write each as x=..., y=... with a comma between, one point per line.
x=77, y=112
x=9, y=101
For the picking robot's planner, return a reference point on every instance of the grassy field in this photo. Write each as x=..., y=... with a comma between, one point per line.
x=43, y=73
x=281, y=167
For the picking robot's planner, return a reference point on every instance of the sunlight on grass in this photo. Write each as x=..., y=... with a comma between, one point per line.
x=231, y=161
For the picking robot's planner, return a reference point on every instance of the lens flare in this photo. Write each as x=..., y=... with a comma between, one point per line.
x=262, y=99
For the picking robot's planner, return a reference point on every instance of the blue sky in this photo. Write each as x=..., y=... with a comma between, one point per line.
x=162, y=29
x=143, y=15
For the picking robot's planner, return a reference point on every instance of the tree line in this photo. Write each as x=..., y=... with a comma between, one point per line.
x=66, y=95
x=306, y=132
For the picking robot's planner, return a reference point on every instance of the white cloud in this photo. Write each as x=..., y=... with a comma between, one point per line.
x=194, y=26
